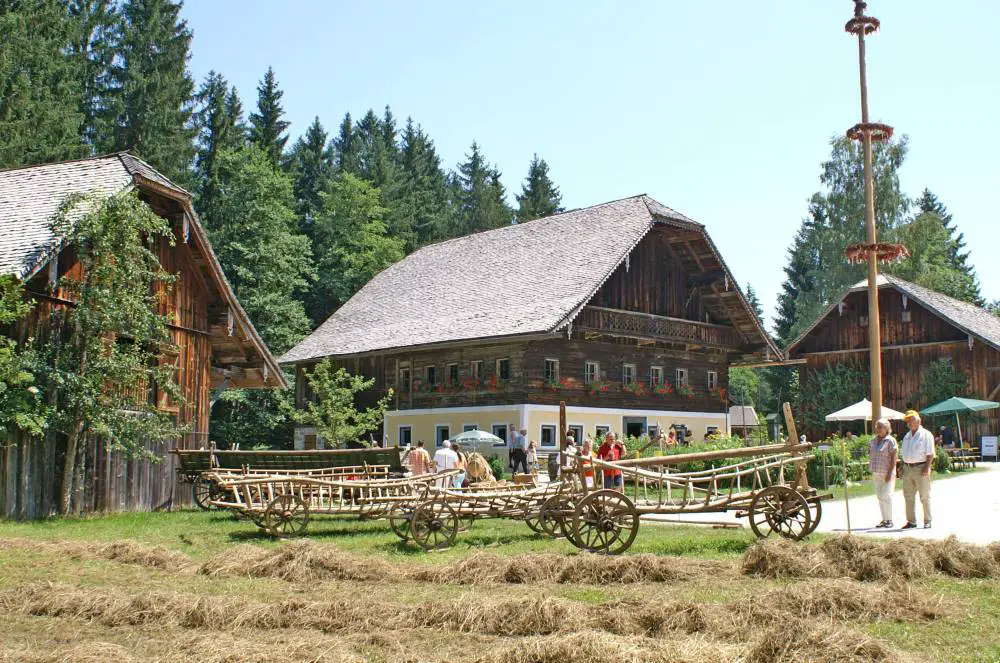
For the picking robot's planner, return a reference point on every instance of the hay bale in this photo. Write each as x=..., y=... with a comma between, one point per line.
x=839, y=599
x=798, y=641
x=779, y=558
x=133, y=552
x=963, y=560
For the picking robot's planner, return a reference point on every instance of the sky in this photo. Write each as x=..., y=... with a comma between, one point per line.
x=721, y=109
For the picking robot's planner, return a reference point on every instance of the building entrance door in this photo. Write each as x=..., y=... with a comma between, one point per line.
x=634, y=426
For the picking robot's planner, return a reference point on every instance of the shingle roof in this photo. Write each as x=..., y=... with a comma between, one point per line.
x=969, y=318
x=31, y=196
x=521, y=279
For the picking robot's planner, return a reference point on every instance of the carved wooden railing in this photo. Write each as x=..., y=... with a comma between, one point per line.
x=656, y=327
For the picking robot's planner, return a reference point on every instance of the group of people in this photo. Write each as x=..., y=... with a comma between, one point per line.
x=448, y=457
x=612, y=448
x=523, y=452
x=912, y=461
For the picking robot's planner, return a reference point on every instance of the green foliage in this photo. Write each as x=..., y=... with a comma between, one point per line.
x=478, y=196
x=40, y=90
x=311, y=165
x=717, y=443
x=92, y=51
x=539, y=196
x=754, y=301
x=220, y=128
x=250, y=418
x=254, y=231
x=423, y=206
x=333, y=413
x=941, y=381
x=744, y=386
x=958, y=257
x=20, y=405
x=498, y=466
x=931, y=263
x=267, y=129
x=830, y=389
x=352, y=243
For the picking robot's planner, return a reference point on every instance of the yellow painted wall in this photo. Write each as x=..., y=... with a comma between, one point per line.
x=423, y=424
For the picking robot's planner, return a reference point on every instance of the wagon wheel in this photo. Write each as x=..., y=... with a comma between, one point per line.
x=465, y=523
x=204, y=491
x=399, y=521
x=815, y=513
x=606, y=522
x=554, y=516
x=780, y=510
x=532, y=518
x=257, y=518
x=434, y=525
x=286, y=515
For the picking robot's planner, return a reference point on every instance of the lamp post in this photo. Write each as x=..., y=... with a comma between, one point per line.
x=871, y=251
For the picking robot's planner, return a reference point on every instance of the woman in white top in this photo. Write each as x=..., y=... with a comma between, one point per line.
x=882, y=463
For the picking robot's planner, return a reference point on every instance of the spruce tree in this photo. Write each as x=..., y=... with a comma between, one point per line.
x=539, y=196
x=311, y=166
x=40, y=90
x=754, y=303
x=219, y=129
x=424, y=202
x=958, y=257
x=267, y=129
x=150, y=89
x=92, y=49
x=346, y=149
x=479, y=196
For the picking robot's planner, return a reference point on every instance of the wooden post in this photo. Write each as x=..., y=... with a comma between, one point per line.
x=801, y=475
x=847, y=504
x=562, y=426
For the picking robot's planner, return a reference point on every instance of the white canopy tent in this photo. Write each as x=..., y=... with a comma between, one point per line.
x=862, y=410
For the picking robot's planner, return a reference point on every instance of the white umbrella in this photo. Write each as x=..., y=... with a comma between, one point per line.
x=862, y=410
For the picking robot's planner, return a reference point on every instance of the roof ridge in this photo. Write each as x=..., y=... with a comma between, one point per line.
x=95, y=157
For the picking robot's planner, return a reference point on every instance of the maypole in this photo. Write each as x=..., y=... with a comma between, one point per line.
x=872, y=251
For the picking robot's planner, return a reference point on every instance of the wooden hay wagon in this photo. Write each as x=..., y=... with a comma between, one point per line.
x=434, y=521
x=282, y=505
x=201, y=467
x=769, y=487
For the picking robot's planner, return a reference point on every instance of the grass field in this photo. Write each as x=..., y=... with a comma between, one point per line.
x=202, y=586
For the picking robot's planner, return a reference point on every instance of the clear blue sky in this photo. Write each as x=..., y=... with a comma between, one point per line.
x=721, y=109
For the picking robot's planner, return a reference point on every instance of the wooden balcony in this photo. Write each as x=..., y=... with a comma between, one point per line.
x=644, y=326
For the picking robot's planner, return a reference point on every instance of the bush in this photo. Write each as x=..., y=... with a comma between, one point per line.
x=942, y=461
x=497, y=465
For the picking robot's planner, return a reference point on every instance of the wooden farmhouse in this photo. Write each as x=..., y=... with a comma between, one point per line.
x=624, y=310
x=918, y=327
x=217, y=346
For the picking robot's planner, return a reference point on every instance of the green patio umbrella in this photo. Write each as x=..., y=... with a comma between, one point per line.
x=956, y=406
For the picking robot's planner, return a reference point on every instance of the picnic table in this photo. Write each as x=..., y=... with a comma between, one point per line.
x=962, y=457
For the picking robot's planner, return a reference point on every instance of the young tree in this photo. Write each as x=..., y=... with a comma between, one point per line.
x=40, y=92
x=116, y=333
x=479, y=196
x=150, y=97
x=352, y=243
x=267, y=129
x=255, y=233
x=539, y=196
x=334, y=413
x=311, y=165
x=220, y=128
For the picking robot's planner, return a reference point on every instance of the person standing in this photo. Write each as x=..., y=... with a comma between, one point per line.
x=610, y=451
x=461, y=464
x=520, y=452
x=882, y=463
x=918, y=460
x=419, y=460
x=532, y=456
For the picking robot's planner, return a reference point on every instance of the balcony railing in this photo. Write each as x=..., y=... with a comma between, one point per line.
x=656, y=327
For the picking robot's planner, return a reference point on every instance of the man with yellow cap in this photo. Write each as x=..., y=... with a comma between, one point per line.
x=918, y=458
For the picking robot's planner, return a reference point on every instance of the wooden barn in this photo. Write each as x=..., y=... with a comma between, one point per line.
x=918, y=327
x=624, y=310
x=218, y=346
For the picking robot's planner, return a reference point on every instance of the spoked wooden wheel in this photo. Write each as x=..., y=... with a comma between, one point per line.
x=465, y=523
x=434, y=525
x=532, y=518
x=605, y=522
x=399, y=521
x=815, y=513
x=555, y=517
x=204, y=491
x=780, y=510
x=286, y=515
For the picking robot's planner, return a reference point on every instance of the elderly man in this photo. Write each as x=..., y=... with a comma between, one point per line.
x=917, y=451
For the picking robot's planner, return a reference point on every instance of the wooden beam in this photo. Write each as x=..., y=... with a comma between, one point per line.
x=884, y=347
x=715, y=455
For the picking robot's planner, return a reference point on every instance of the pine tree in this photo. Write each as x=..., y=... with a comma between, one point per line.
x=958, y=257
x=931, y=262
x=92, y=49
x=150, y=89
x=352, y=243
x=539, y=196
x=754, y=303
x=218, y=130
x=267, y=129
x=479, y=196
x=424, y=202
x=255, y=232
x=800, y=274
x=311, y=166
x=346, y=147
x=40, y=91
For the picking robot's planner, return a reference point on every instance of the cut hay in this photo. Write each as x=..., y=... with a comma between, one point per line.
x=798, y=641
x=302, y=561
x=599, y=647
x=125, y=551
x=840, y=600
x=854, y=557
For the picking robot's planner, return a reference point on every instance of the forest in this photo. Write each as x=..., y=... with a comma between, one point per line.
x=302, y=217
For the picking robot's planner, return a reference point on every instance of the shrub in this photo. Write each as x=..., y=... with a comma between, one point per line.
x=497, y=466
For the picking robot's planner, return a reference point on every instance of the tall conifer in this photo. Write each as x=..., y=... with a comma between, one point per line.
x=267, y=129
x=479, y=196
x=539, y=196
x=93, y=50
x=346, y=149
x=425, y=191
x=311, y=166
x=219, y=129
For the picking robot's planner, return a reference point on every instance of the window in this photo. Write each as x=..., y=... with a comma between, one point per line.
x=503, y=369
x=548, y=436
x=476, y=370
x=431, y=373
x=712, y=380
x=442, y=433
x=655, y=375
x=682, y=377
x=468, y=427
x=309, y=442
x=863, y=320
x=453, y=373
x=906, y=316
x=500, y=430
x=601, y=431
x=405, y=435
x=577, y=433
x=591, y=372
x=551, y=370
x=653, y=432
x=628, y=373
x=404, y=379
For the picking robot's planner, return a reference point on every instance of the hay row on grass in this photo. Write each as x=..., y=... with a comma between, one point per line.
x=862, y=559
x=124, y=551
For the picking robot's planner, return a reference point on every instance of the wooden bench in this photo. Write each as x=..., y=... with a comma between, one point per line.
x=963, y=457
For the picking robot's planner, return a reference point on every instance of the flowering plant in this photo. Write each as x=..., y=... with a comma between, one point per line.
x=598, y=387
x=718, y=392
x=494, y=383
x=663, y=388
x=685, y=391
x=635, y=388
x=471, y=384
